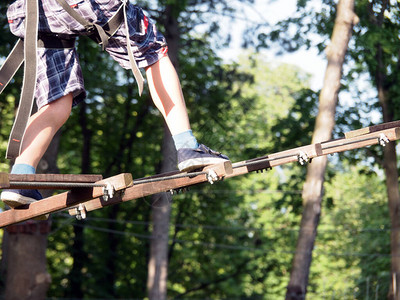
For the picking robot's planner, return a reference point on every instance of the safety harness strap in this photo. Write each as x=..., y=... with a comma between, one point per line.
x=101, y=35
x=29, y=82
x=135, y=70
x=16, y=57
x=11, y=65
x=90, y=28
x=54, y=41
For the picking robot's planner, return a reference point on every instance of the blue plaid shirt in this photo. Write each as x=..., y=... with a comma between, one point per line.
x=53, y=18
x=59, y=72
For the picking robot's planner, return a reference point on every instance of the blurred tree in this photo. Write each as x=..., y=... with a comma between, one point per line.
x=325, y=122
x=381, y=19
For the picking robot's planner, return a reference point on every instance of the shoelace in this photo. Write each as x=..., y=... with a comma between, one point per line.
x=205, y=149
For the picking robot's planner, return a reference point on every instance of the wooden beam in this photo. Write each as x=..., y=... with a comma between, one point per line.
x=4, y=180
x=371, y=129
x=139, y=190
x=15, y=180
x=276, y=159
x=91, y=198
x=240, y=168
x=62, y=201
x=361, y=141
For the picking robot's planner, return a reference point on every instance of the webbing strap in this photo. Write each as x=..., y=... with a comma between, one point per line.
x=16, y=57
x=11, y=65
x=90, y=28
x=135, y=70
x=29, y=83
x=102, y=34
x=53, y=42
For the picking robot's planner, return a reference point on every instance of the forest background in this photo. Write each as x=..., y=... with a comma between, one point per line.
x=235, y=239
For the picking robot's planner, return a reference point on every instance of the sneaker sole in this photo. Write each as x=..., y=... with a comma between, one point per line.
x=196, y=163
x=15, y=200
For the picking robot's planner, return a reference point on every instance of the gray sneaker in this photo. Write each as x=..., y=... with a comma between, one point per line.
x=191, y=159
x=14, y=198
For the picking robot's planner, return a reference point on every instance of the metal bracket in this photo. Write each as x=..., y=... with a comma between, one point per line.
x=108, y=191
x=80, y=212
x=383, y=140
x=212, y=176
x=178, y=190
x=302, y=158
x=263, y=170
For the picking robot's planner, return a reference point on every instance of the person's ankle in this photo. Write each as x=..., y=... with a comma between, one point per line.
x=185, y=139
x=23, y=169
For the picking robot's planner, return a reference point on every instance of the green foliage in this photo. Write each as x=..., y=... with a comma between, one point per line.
x=375, y=40
x=235, y=239
x=232, y=242
x=358, y=215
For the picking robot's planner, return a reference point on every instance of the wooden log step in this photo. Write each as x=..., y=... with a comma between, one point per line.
x=63, y=201
x=15, y=180
x=372, y=129
x=146, y=188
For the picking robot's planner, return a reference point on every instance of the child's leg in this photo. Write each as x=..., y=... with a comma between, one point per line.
x=42, y=126
x=167, y=95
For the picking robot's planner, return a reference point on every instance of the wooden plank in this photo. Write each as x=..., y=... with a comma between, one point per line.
x=275, y=159
x=91, y=198
x=62, y=201
x=313, y=150
x=356, y=142
x=56, y=177
x=13, y=180
x=118, y=182
x=4, y=180
x=139, y=190
x=372, y=129
x=244, y=167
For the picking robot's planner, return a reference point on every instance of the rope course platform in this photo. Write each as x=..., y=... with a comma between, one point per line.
x=90, y=192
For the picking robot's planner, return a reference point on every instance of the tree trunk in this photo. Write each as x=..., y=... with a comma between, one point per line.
x=392, y=188
x=78, y=252
x=383, y=84
x=27, y=277
x=161, y=208
x=25, y=245
x=313, y=187
x=392, y=180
